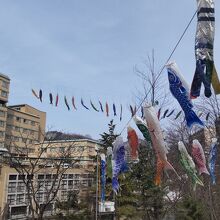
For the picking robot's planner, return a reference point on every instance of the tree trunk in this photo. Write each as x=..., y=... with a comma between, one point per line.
x=216, y=188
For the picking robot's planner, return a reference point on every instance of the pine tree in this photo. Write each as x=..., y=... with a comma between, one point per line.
x=108, y=138
x=139, y=198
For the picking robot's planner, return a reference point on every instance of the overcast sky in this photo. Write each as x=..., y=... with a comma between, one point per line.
x=88, y=48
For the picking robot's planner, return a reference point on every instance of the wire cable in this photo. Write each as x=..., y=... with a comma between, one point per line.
x=174, y=49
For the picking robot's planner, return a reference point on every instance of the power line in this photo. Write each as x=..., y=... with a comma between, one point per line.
x=174, y=49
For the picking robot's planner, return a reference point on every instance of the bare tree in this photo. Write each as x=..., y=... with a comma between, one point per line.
x=209, y=111
x=41, y=167
x=154, y=84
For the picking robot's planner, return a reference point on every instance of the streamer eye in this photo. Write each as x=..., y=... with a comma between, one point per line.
x=171, y=77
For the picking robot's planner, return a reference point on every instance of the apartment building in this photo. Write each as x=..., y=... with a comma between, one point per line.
x=22, y=131
x=25, y=125
x=77, y=175
x=4, y=93
x=19, y=124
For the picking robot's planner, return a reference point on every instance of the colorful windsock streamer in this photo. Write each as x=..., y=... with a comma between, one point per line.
x=101, y=106
x=84, y=104
x=133, y=110
x=157, y=138
x=67, y=105
x=35, y=94
x=51, y=98
x=106, y=109
x=73, y=103
x=103, y=176
x=212, y=160
x=94, y=106
x=142, y=126
x=199, y=157
x=180, y=91
x=133, y=142
x=121, y=113
x=114, y=110
x=40, y=95
x=57, y=100
x=118, y=162
x=188, y=164
x=205, y=69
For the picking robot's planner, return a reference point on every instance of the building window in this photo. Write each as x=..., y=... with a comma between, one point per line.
x=2, y=133
x=12, y=177
x=76, y=182
x=4, y=94
x=65, y=176
x=17, y=128
x=2, y=123
x=70, y=184
x=40, y=197
x=19, y=210
x=85, y=183
x=5, y=84
x=18, y=119
x=77, y=176
x=9, y=116
x=64, y=184
x=40, y=176
x=2, y=114
x=48, y=184
x=70, y=176
x=11, y=187
x=48, y=176
x=9, y=127
x=20, y=187
x=11, y=199
x=21, y=177
x=64, y=195
x=20, y=198
x=25, y=131
x=25, y=121
x=33, y=123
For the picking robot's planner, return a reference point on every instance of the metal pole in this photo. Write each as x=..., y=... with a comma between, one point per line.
x=97, y=185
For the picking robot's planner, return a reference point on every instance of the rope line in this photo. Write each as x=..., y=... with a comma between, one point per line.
x=174, y=49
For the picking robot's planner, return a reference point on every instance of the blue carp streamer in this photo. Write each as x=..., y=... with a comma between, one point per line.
x=103, y=177
x=180, y=91
x=119, y=164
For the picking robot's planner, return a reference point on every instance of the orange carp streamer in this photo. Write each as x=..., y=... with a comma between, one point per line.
x=133, y=142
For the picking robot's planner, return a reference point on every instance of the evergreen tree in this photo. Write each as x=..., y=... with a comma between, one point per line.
x=139, y=198
x=108, y=138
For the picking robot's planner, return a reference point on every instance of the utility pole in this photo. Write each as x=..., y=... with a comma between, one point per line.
x=97, y=186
